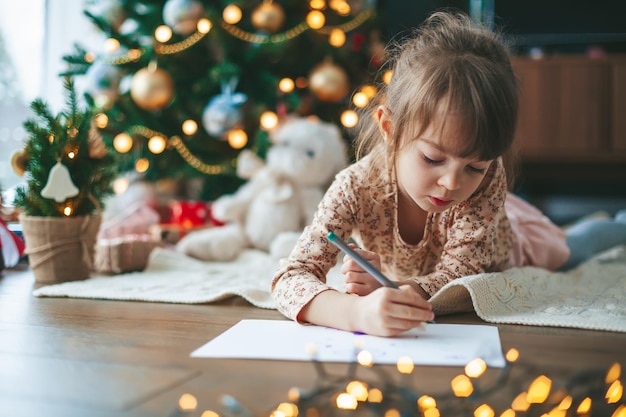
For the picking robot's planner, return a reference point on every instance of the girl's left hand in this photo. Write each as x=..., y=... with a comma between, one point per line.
x=358, y=281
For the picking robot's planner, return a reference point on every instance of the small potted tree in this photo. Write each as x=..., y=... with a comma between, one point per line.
x=69, y=173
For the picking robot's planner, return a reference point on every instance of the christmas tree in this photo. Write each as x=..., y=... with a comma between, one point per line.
x=184, y=85
x=68, y=168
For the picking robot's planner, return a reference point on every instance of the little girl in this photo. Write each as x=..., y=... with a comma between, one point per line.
x=426, y=199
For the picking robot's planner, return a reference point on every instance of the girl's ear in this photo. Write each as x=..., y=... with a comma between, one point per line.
x=384, y=121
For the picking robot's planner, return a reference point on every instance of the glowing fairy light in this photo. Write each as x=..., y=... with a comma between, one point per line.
x=462, y=386
x=539, y=390
x=286, y=85
x=204, y=25
x=51, y=138
x=364, y=358
x=120, y=185
x=157, y=144
x=375, y=395
x=520, y=403
x=337, y=37
x=237, y=138
x=232, y=14
x=512, y=355
x=387, y=76
x=287, y=409
x=405, y=365
x=122, y=142
x=369, y=90
x=317, y=4
x=187, y=402
x=565, y=403
x=268, y=120
x=67, y=211
x=163, y=33
x=142, y=165
x=614, y=392
x=358, y=390
x=432, y=412
x=613, y=373
x=426, y=402
x=360, y=99
x=294, y=394
x=508, y=413
x=315, y=19
x=346, y=401
x=584, y=406
x=101, y=120
x=111, y=45
x=189, y=127
x=392, y=412
x=475, y=368
x=484, y=410
x=209, y=413
x=349, y=118
x=71, y=154
x=89, y=57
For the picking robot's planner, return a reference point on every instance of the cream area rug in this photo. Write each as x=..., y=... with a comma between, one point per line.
x=592, y=296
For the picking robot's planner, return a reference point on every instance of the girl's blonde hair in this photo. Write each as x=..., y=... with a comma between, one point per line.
x=450, y=66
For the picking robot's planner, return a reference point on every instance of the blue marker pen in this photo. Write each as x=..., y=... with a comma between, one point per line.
x=363, y=263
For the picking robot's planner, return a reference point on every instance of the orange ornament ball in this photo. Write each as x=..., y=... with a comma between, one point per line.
x=268, y=17
x=152, y=89
x=329, y=82
x=19, y=161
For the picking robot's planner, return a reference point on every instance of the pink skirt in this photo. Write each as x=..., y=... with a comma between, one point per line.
x=536, y=240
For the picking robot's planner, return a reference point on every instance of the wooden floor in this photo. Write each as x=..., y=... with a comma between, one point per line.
x=78, y=358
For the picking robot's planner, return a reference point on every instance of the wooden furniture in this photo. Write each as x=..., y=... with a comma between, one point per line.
x=572, y=127
x=77, y=357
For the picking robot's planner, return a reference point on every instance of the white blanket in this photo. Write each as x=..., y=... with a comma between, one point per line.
x=592, y=296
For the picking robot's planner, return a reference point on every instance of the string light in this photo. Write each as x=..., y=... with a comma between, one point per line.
x=187, y=402
x=156, y=144
x=204, y=26
x=360, y=99
x=189, y=127
x=120, y=185
x=111, y=45
x=232, y=14
x=142, y=165
x=122, y=142
x=101, y=120
x=163, y=33
x=67, y=211
x=387, y=76
x=286, y=85
x=337, y=37
x=237, y=138
x=268, y=120
x=317, y=4
x=315, y=19
x=349, y=118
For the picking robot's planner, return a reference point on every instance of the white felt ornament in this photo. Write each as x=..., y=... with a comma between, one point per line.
x=59, y=186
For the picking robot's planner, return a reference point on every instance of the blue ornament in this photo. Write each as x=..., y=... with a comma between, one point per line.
x=223, y=112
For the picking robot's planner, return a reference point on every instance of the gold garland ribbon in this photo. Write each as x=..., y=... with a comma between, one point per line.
x=185, y=153
x=168, y=49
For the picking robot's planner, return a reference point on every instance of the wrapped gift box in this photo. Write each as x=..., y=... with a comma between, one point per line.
x=123, y=254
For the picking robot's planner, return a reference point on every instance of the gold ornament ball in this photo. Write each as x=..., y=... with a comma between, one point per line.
x=268, y=17
x=18, y=162
x=152, y=89
x=329, y=82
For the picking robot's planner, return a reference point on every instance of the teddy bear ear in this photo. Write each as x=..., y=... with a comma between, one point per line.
x=248, y=163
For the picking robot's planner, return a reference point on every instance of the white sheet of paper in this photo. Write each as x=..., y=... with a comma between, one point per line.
x=437, y=344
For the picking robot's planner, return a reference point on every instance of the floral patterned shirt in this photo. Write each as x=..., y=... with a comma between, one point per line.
x=469, y=238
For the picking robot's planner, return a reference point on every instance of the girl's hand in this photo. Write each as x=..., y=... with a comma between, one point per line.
x=388, y=312
x=358, y=281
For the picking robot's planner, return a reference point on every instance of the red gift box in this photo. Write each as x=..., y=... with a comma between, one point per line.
x=189, y=214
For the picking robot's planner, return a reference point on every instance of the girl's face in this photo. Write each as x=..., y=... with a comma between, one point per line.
x=432, y=176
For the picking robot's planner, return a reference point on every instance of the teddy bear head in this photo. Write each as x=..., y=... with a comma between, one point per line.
x=309, y=151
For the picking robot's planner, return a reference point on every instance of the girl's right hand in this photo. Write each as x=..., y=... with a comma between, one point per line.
x=388, y=311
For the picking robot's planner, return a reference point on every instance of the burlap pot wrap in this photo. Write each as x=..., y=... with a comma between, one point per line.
x=60, y=249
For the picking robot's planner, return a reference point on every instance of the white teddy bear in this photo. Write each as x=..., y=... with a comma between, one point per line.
x=270, y=211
